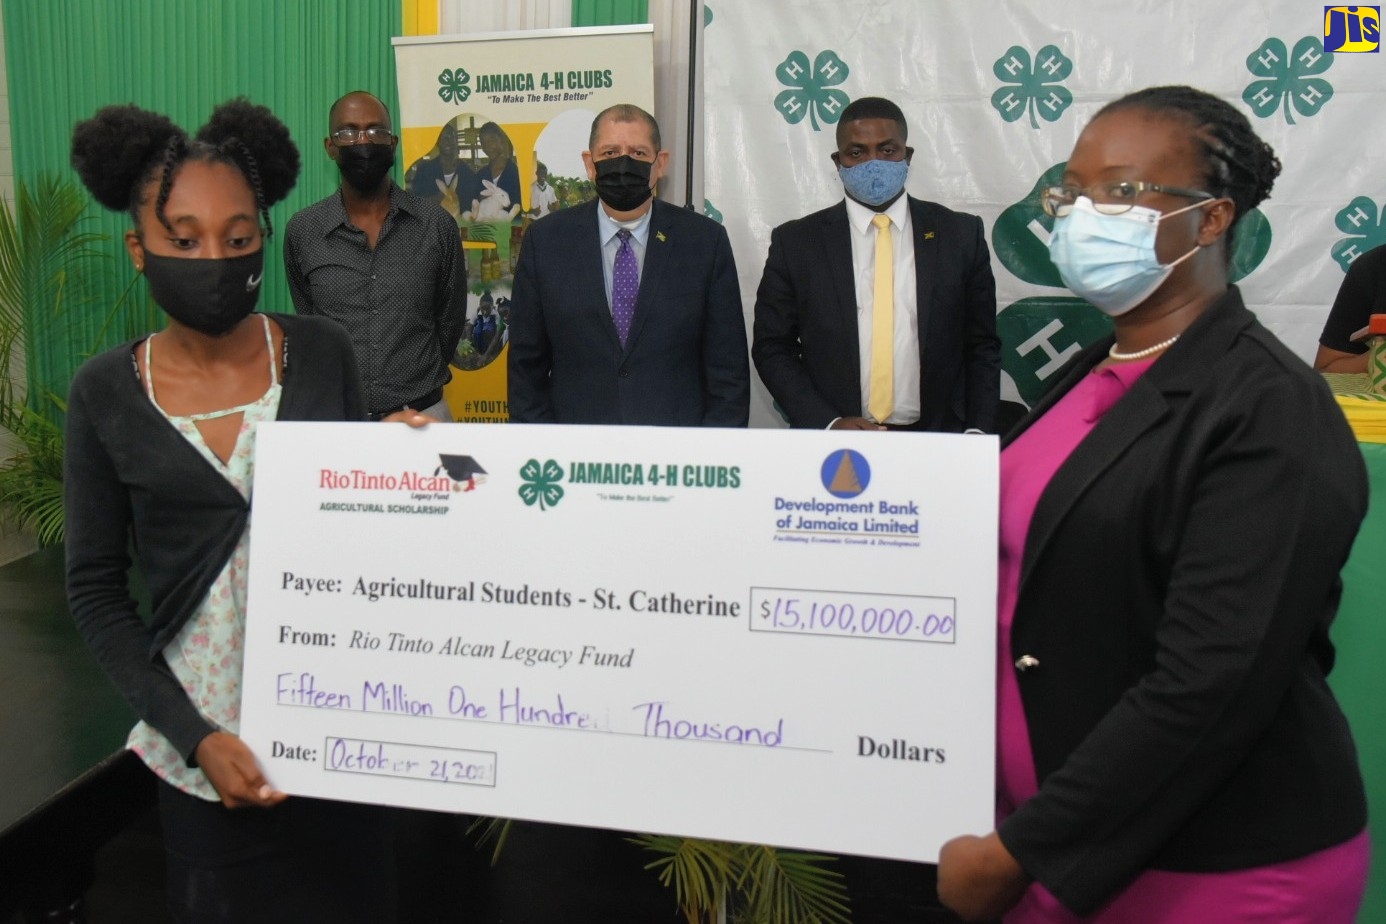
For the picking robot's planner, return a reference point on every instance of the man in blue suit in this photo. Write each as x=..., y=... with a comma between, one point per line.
x=627, y=310
x=828, y=353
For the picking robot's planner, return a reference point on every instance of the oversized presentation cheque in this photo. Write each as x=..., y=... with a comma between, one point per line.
x=778, y=637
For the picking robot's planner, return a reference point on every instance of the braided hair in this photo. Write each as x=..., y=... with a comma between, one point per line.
x=1238, y=165
x=122, y=150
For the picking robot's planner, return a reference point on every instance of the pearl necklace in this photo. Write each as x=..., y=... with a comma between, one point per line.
x=1141, y=354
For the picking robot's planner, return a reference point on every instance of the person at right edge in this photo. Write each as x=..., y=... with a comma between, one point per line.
x=1362, y=294
x=1175, y=512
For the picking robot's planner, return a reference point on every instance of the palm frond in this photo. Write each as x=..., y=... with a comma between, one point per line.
x=700, y=871
x=768, y=885
x=31, y=481
x=41, y=251
x=48, y=269
x=791, y=887
x=487, y=829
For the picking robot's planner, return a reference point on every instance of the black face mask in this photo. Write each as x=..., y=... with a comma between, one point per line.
x=363, y=166
x=623, y=182
x=210, y=296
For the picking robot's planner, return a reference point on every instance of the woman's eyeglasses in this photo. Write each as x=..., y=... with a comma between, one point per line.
x=1110, y=198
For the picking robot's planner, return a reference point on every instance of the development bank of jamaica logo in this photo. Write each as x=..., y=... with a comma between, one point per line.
x=1034, y=88
x=541, y=483
x=1040, y=333
x=452, y=86
x=1366, y=227
x=1348, y=29
x=811, y=90
x=1288, y=79
x=845, y=473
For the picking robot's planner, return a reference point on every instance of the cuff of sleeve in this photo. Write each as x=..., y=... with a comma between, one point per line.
x=185, y=731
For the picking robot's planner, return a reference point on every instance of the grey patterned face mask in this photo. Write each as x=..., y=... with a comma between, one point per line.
x=210, y=296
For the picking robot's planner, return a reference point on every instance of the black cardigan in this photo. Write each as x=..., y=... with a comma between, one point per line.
x=1178, y=581
x=131, y=479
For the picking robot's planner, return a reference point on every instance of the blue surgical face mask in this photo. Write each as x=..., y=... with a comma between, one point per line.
x=1109, y=260
x=875, y=182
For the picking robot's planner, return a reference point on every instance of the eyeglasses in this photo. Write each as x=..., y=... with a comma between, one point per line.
x=1110, y=198
x=374, y=135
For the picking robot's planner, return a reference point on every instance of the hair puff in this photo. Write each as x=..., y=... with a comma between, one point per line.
x=264, y=135
x=113, y=149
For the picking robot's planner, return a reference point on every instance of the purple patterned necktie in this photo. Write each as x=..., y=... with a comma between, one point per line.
x=625, y=285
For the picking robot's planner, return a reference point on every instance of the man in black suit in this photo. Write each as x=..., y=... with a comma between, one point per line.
x=828, y=353
x=627, y=310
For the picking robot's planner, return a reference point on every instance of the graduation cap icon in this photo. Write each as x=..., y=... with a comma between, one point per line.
x=460, y=469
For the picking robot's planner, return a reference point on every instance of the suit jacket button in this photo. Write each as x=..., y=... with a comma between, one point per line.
x=1025, y=662
x=624, y=373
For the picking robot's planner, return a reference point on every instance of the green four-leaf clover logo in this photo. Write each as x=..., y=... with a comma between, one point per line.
x=1361, y=219
x=452, y=86
x=810, y=92
x=541, y=484
x=1288, y=78
x=1033, y=89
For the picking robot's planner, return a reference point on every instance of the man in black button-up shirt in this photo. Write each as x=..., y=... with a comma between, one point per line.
x=384, y=263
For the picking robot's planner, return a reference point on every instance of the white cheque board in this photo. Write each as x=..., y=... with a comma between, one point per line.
x=752, y=635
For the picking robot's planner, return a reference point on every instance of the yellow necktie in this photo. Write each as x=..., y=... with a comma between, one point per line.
x=882, y=394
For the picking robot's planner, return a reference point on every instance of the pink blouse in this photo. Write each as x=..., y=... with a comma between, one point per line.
x=1324, y=887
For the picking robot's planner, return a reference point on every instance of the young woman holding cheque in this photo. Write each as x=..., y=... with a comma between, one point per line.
x=160, y=458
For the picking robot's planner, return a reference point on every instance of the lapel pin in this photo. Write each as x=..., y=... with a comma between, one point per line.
x=659, y=235
x=928, y=235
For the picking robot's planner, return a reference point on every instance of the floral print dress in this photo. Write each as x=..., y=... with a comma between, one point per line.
x=206, y=655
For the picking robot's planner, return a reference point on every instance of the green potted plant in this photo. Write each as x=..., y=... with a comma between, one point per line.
x=48, y=267
x=719, y=881
x=747, y=883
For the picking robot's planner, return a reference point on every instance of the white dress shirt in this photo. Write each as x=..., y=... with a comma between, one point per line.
x=907, y=344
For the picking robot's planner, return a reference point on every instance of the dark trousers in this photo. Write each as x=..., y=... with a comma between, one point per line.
x=304, y=860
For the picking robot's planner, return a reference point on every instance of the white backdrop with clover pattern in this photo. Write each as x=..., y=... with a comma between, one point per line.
x=995, y=94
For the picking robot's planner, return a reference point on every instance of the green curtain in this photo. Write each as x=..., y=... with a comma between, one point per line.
x=1360, y=637
x=610, y=12
x=67, y=58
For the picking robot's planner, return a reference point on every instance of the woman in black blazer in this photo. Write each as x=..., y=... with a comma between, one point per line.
x=1174, y=515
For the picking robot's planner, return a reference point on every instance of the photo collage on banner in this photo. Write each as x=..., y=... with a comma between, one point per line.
x=493, y=127
x=995, y=95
